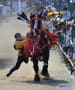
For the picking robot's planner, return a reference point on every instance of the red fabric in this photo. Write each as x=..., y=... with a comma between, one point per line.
x=36, y=18
x=52, y=36
x=28, y=47
x=35, y=47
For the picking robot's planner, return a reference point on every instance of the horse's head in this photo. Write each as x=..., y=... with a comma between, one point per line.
x=35, y=21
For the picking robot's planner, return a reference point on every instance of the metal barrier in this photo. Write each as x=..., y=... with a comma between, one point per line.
x=71, y=63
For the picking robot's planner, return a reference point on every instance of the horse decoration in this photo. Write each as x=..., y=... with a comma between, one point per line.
x=36, y=21
x=38, y=44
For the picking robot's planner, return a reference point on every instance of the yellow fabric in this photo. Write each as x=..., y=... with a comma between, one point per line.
x=19, y=45
x=54, y=10
x=61, y=12
x=74, y=62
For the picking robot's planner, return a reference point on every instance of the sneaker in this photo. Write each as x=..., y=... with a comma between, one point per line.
x=8, y=75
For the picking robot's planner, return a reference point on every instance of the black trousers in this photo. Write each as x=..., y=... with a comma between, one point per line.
x=18, y=63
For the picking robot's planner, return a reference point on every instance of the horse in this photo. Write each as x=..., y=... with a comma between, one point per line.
x=38, y=44
x=39, y=47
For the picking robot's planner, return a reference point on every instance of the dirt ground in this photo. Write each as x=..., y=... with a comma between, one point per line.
x=23, y=78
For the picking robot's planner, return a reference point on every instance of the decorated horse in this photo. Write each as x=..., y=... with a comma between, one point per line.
x=38, y=43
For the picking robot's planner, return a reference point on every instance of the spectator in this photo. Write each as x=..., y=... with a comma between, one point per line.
x=66, y=13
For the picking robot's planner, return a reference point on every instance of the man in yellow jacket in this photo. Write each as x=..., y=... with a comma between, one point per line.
x=19, y=44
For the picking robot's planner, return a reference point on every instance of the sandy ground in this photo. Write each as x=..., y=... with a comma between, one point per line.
x=23, y=78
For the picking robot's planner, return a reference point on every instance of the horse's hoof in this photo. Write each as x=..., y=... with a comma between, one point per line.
x=26, y=60
x=46, y=74
x=37, y=78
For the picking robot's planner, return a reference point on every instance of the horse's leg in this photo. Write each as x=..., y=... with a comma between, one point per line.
x=45, y=63
x=36, y=69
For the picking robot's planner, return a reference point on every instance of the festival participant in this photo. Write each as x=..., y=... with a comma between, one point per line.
x=19, y=44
